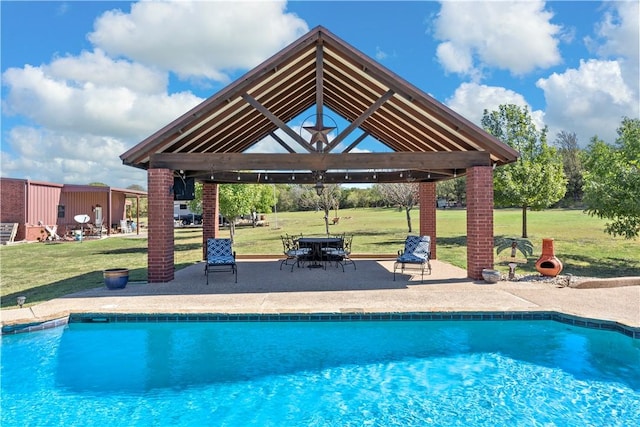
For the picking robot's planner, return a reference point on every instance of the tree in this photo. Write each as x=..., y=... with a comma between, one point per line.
x=536, y=180
x=612, y=180
x=567, y=144
x=446, y=190
x=240, y=199
x=195, y=205
x=404, y=195
x=327, y=200
x=144, y=202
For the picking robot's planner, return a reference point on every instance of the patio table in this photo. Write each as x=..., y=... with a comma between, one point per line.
x=316, y=244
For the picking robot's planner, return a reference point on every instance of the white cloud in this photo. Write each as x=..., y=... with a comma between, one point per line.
x=67, y=98
x=589, y=101
x=198, y=39
x=66, y=158
x=617, y=32
x=592, y=99
x=514, y=36
x=83, y=111
x=471, y=99
x=98, y=69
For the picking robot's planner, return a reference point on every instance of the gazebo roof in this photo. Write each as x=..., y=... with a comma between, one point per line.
x=424, y=140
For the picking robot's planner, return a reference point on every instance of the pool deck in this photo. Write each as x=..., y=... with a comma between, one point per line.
x=263, y=288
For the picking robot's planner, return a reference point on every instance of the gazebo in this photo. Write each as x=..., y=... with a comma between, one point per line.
x=323, y=78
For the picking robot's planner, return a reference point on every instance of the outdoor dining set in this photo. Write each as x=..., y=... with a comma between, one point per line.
x=320, y=252
x=317, y=252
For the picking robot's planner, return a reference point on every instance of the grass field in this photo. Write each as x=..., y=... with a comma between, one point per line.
x=45, y=271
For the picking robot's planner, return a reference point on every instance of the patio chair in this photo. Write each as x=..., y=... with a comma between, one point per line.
x=417, y=252
x=292, y=251
x=52, y=231
x=220, y=258
x=341, y=255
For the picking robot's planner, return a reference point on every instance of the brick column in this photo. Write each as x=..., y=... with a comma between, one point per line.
x=160, y=262
x=210, y=211
x=427, y=195
x=479, y=220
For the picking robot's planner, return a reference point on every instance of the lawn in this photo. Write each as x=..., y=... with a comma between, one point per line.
x=42, y=271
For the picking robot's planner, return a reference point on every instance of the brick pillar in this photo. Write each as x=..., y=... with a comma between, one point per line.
x=427, y=195
x=210, y=211
x=160, y=262
x=479, y=220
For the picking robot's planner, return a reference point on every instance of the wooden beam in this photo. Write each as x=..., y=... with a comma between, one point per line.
x=276, y=121
x=357, y=122
x=357, y=141
x=319, y=82
x=319, y=161
x=281, y=142
x=357, y=177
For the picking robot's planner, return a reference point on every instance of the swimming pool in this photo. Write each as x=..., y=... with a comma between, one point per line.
x=379, y=373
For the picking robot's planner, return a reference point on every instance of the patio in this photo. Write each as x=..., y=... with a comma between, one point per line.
x=263, y=288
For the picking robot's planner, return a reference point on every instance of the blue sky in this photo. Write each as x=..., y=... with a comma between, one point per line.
x=84, y=81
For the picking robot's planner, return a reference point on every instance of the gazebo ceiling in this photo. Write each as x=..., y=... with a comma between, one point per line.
x=426, y=140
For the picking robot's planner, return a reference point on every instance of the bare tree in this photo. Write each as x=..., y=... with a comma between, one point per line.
x=404, y=195
x=327, y=200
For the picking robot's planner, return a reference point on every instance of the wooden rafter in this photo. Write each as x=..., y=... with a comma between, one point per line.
x=321, y=71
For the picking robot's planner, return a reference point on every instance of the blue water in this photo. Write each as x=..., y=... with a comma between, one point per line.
x=320, y=374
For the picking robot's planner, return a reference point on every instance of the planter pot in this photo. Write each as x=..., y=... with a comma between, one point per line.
x=490, y=276
x=116, y=278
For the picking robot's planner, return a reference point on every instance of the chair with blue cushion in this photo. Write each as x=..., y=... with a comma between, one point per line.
x=417, y=252
x=342, y=254
x=293, y=252
x=220, y=258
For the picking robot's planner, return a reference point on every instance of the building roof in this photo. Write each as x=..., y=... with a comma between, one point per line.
x=423, y=139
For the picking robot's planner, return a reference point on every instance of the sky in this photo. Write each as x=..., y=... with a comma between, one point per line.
x=84, y=81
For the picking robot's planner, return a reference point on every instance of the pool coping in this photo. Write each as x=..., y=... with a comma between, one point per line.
x=606, y=325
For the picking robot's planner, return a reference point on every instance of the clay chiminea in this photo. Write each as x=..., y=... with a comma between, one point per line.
x=548, y=264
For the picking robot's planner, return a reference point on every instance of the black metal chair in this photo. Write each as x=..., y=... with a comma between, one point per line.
x=293, y=252
x=342, y=254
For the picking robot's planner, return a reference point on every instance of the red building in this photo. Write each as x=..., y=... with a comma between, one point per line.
x=36, y=204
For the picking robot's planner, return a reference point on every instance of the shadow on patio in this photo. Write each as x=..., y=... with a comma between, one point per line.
x=265, y=276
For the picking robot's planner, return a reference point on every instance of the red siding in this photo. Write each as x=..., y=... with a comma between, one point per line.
x=13, y=201
x=42, y=203
x=29, y=202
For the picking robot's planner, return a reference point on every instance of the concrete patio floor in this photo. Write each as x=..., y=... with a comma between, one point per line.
x=263, y=288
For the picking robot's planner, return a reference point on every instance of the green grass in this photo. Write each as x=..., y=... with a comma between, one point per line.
x=42, y=271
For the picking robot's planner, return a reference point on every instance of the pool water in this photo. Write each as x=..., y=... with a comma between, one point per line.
x=363, y=373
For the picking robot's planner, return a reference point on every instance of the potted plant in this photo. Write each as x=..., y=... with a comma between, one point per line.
x=524, y=246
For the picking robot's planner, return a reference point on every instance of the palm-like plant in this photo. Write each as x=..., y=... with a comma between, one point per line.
x=515, y=244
